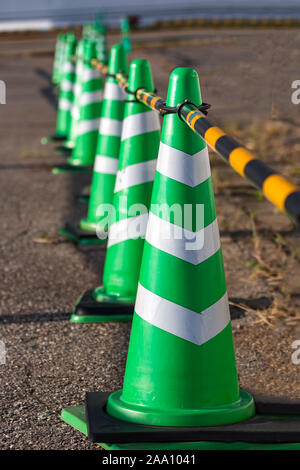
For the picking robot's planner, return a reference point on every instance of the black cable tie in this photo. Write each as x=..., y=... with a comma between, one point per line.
x=131, y=92
x=167, y=109
x=203, y=108
x=114, y=75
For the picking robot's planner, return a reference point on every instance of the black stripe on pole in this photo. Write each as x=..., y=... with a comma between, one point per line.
x=225, y=145
x=257, y=172
x=149, y=99
x=292, y=205
x=202, y=125
x=158, y=104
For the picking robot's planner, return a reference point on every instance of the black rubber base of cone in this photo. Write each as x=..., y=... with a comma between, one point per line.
x=64, y=151
x=66, y=168
x=266, y=427
x=84, y=238
x=57, y=138
x=52, y=138
x=84, y=196
x=83, y=199
x=89, y=308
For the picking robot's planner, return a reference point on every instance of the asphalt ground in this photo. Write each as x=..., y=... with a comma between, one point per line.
x=50, y=363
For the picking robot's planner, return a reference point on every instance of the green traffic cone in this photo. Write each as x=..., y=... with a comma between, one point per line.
x=133, y=188
x=61, y=58
x=75, y=110
x=99, y=24
x=101, y=46
x=56, y=79
x=90, y=108
x=180, y=379
x=181, y=309
x=125, y=30
x=106, y=159
x=66, y=147
x=108, y=145
x=86, y=30
x=56, y=61
x=66, y=91
x=83, y=153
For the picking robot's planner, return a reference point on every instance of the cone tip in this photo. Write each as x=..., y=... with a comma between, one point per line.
x=117, y=59
x=183, y=84
x=139, y=63
x=140, y=75
x=90, y=49
x=183, y=72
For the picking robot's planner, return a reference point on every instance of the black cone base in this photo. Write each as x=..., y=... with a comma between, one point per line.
x=66, y=168
x=53, y=138
x=268, y=426
x=84, y=238
x=84, y=196
x=88, y=310
x=62, y=150
x=84, y=199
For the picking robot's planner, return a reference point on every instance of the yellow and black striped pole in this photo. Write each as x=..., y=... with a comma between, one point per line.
x=283, y=194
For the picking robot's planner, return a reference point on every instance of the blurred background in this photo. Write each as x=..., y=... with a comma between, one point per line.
x=46, y=14
x=247, y=56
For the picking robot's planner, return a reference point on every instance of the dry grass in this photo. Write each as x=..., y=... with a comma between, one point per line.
x=272, y=273
x=272, y=256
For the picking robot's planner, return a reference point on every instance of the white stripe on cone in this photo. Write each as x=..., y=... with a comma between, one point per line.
x=87, y=126
x=127, y=229
x=197, y=328
x=66, y=85
x=140, y=123
x=68, y=68
x=79, y=68
x=111, y=127
x=64, y=104
x=112, y=91
x=135, y=174
x=77, y=89
x=91, y=97
x=105, y=164
x=193, y=247
x=180, y=166
x=75, y=112
x=90, y=74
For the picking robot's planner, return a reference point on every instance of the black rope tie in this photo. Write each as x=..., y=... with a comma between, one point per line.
x=164, y=109
x=131, y=93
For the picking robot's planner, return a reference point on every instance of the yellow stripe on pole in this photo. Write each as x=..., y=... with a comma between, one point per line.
x=277, y=189
x=239, y=158
x=153, y=101
x=212, y=135
x=195, y=119
x=139, y=93
x=190, y=114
